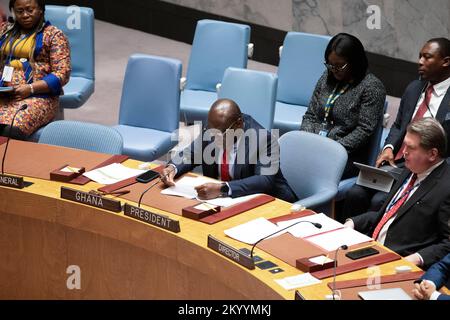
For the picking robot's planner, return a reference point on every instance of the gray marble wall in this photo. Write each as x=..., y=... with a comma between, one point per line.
x=405, y=24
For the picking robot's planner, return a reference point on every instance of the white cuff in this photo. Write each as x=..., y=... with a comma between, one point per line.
x=389, y=146
x=229, y=189
x=174, y=168
x=421, y=259
x=435, y=295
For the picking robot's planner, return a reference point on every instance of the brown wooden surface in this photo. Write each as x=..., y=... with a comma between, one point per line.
x=409, y=276
x=38, y=160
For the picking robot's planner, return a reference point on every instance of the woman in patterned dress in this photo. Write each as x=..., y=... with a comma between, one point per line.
x=35, y=61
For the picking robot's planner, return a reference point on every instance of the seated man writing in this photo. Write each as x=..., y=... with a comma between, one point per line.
x=414, y=221
x=236, y=150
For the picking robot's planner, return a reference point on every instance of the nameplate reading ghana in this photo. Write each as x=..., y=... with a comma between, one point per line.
x=90, y=199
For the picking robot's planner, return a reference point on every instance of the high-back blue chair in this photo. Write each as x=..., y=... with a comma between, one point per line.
x=374, y=150
x=301, y=65
x=313, y=166
x=150, y=106
x=77, y=23
x=217, y=45
x=253, y=91
x=82, y=135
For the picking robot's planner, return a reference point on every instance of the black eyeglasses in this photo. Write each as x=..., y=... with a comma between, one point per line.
x=335, y=68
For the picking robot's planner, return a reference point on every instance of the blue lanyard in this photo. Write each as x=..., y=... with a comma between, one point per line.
x=403, y=196
x=332, y=99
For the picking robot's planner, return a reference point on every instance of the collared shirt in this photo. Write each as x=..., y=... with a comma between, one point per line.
x=439, y=91
x=420, y=178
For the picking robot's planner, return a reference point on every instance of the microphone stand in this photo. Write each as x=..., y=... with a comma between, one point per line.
x=343, y=247
x=154, y=184
x=315, y=224
x=9, y=136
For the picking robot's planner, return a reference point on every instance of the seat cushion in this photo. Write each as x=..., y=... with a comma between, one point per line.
x=145, y=144
x=288, y=117
x=195, y=105
x=76, y=92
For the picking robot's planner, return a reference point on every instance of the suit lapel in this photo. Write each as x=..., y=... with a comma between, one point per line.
x=426, y=186
x=444, y=107
x=394, y=190
x=416, y=98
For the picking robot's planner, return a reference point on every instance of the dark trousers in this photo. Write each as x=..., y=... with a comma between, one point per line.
x=360, y=200
x=15, y=132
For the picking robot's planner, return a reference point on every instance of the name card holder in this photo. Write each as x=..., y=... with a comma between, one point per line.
x=154, y=219
x=231, y=253
x=306, y=265
x=11, y=181
x=66, y=176
x=91, y=199
x=200, y=211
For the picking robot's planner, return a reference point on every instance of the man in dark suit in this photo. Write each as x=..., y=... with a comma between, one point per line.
x=237, y=150
x=414, y=221
x=427, y=97
x=434, y=279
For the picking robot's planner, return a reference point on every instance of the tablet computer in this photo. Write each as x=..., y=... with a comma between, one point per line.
x=380, y=179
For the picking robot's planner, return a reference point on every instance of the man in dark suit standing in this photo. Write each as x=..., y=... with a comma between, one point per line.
x=434, y=279
x=237, y=150
x=414, y=221
x=427, y=97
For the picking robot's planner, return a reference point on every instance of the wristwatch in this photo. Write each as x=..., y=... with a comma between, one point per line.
x=224, y=190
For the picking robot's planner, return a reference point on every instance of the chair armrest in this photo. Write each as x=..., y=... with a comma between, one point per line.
x=183, y=82
x=318, y=199
x=250, y=50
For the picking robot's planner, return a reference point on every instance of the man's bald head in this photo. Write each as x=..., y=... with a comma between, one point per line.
x=223, y=113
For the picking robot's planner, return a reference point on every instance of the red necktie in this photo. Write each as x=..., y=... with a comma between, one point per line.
x=224, y=168
x=393, y=210
x=419, y=115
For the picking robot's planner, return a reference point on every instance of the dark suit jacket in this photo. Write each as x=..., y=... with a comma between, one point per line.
x=439, y=273
x=249, y=176
x=422, y=223
x=406, y=111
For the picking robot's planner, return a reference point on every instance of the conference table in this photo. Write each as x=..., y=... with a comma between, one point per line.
x=43, y=237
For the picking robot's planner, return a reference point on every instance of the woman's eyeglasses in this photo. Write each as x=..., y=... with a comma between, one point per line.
x=331, y=67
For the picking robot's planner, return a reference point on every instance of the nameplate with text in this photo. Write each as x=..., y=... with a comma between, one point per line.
x=154, y=219
x=11, y=181
x=91, y=199
x=230, y=253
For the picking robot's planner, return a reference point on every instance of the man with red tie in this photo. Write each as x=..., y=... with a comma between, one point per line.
x=414, y=221
x=427, y=97
x=236, y=150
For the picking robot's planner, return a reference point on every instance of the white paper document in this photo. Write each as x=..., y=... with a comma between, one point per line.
x=228, y=202
x=321, y=260
x=332, y=240
x=253, y=231
x=305, y=229
x=185, y=187
x=300, y=281
x=385, y=294
x=112, y=173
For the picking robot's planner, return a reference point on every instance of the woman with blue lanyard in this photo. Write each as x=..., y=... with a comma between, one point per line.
x=348, y=100
x=34, y=66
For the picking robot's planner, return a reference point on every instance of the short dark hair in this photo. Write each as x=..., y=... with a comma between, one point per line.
x=444, y=46
x=431, y=133
x=350, y=48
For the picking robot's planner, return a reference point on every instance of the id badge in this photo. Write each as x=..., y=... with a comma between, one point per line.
x=7, y=74
x=323, y=133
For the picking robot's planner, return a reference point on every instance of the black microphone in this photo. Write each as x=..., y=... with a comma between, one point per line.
x=343, y=247
x=315, y=224
x=22, y=108
x=154, y=184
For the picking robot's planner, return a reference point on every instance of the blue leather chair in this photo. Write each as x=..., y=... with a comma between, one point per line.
x=150, y=106
x=374, y=147
x=301, y=65
x=253, y=91
x=216, y=46
x=313, y=166
x=82, y=50
x=82, y=135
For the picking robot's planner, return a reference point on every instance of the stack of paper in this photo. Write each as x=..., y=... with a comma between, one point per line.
x=112, y=173
x=332, y=240
x=305, y=229
x=300, y=281
x=228, y=202
x=253, y=231
x=185, y=187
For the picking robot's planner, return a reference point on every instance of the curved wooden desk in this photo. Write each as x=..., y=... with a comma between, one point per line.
x=121, y=258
